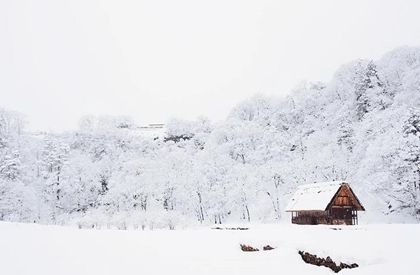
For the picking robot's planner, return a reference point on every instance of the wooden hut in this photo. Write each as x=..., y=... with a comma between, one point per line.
x=325, y=203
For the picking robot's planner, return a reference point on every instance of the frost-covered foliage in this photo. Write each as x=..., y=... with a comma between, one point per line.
x=362, y=127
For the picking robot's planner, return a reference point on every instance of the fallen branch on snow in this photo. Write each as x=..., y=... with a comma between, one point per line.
x=230, y=228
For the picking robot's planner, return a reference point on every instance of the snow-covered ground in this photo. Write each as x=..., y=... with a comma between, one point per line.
x=51, y=250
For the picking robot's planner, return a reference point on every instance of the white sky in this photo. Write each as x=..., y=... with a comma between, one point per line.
x=152, y=60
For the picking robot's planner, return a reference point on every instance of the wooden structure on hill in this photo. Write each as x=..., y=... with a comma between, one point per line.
x=325, y=203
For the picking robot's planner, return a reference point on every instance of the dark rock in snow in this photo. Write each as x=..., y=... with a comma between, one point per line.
x=328, y=262
x=248, y=248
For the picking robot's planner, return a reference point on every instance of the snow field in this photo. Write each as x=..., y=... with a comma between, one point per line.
x=51, y=250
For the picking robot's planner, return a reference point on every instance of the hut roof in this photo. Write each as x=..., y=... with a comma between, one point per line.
x=316, y=196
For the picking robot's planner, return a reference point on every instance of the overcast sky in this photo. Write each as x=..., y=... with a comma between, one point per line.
x=155, y=59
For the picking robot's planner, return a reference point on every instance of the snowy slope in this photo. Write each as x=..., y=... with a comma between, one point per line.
x=362, y=127
x=50, y=250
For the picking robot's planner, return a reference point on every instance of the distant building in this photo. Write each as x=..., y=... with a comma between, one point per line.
x=325, y=203
x=156, y=125
x=154, y=131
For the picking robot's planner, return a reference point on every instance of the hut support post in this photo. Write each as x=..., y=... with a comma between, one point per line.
x=357, y=218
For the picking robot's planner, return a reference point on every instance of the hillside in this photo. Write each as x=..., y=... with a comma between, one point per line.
x=362, y=127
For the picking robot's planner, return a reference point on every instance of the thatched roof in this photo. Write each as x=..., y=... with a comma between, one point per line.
x=318, y=196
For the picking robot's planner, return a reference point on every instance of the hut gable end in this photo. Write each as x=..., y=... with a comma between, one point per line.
x=345, y=197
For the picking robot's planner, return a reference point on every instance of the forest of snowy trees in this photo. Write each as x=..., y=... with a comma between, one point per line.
x=362, y=127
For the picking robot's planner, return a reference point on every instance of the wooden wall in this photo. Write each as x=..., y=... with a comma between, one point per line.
x=310, y=217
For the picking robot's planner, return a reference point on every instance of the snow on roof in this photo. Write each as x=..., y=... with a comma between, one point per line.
x=313, y=196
